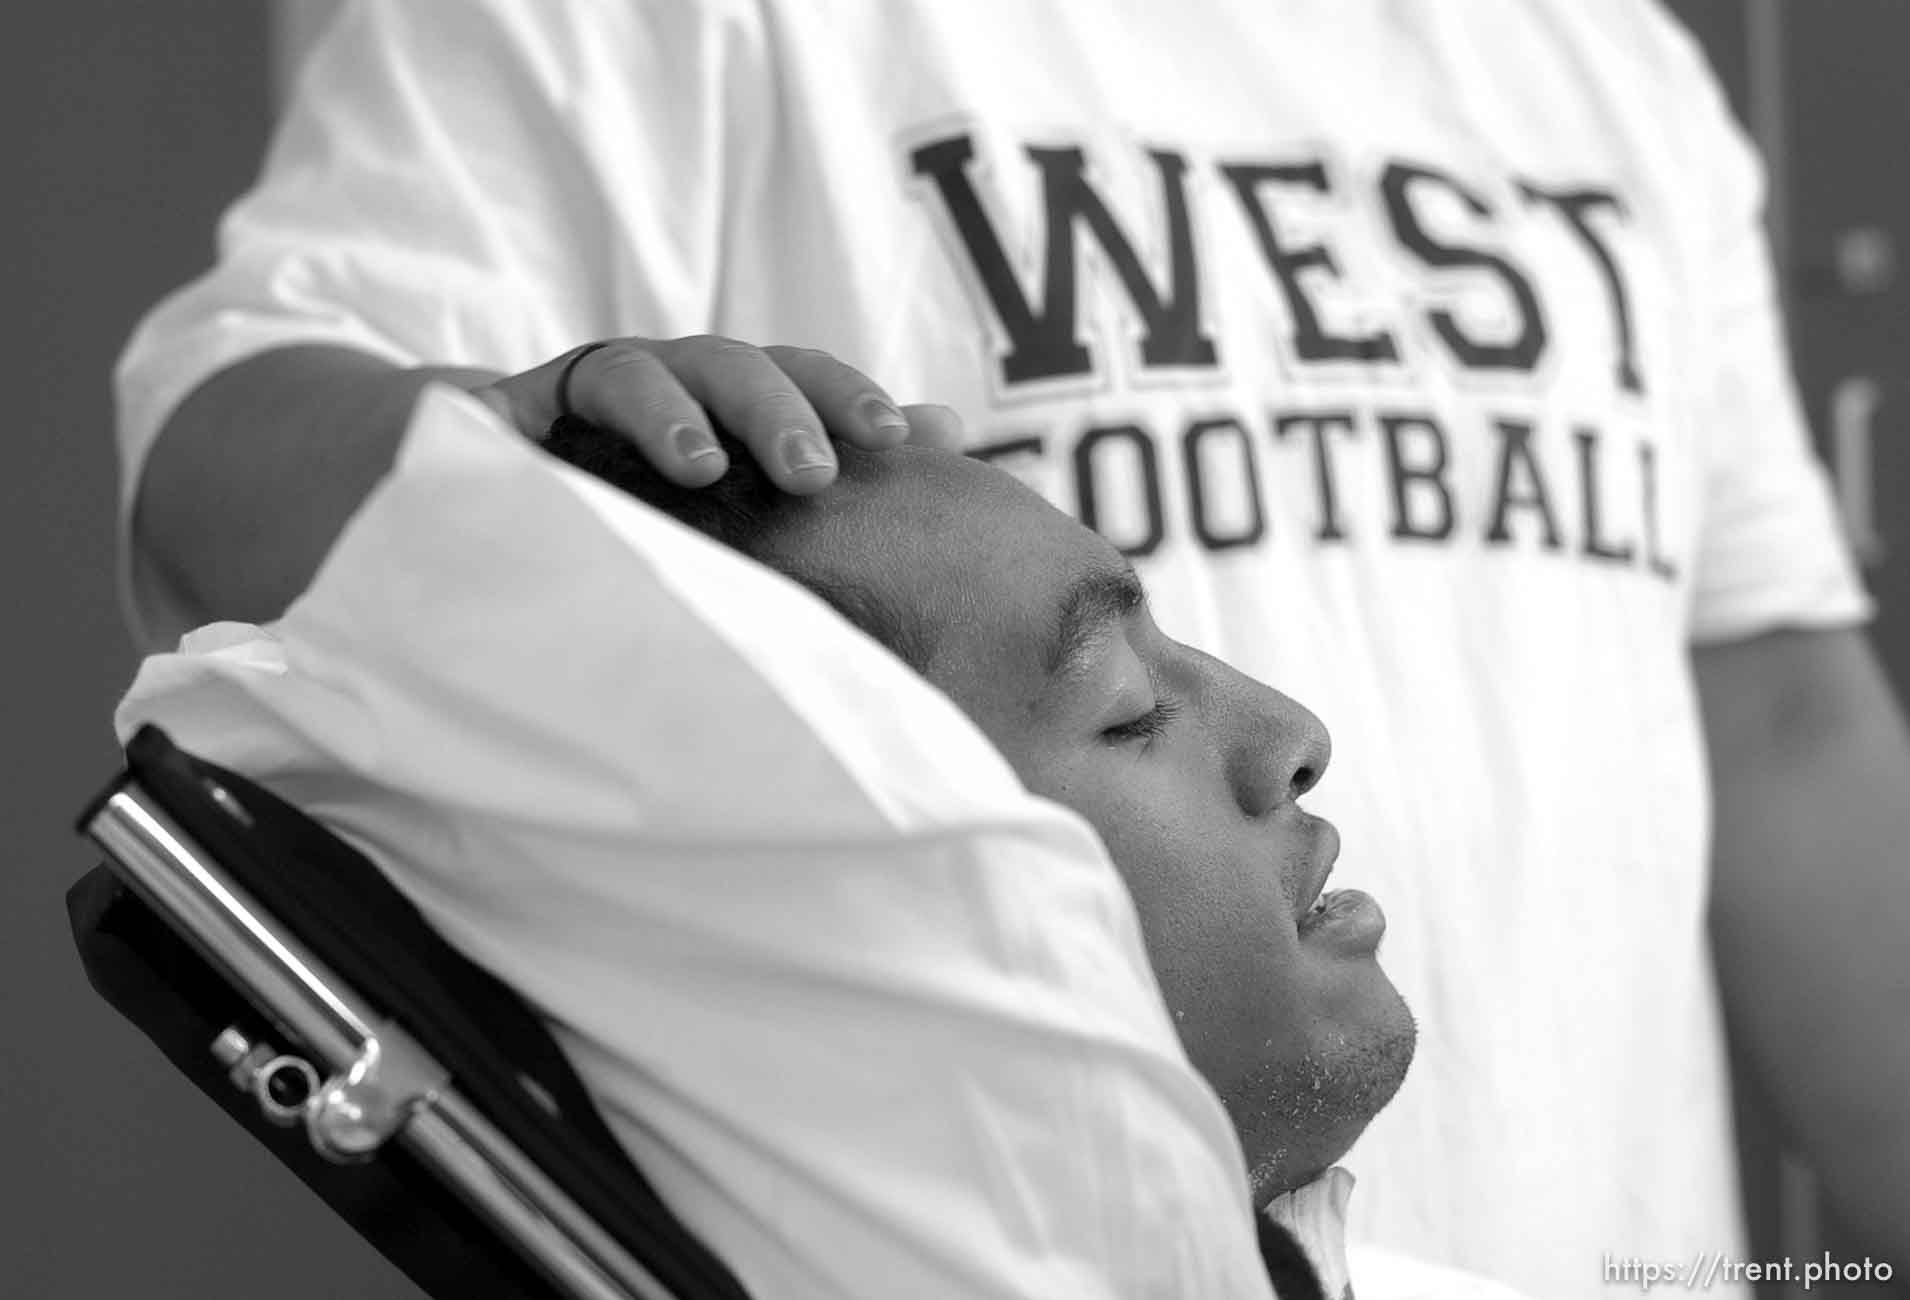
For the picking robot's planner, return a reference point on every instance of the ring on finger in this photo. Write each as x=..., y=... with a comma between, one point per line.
x=564, y=409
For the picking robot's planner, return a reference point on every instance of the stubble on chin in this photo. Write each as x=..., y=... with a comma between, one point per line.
x=1297, y=1118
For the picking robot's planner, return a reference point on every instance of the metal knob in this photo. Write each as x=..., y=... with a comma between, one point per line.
x=281, y=1084
x=349, y=1119
x=353, y=1113
x=366, y=1105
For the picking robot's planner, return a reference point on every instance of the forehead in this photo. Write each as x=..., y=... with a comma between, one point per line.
x=978, y=561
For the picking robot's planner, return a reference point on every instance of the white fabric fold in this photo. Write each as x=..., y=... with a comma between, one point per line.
x=876, y=1021
x=1315, y=1216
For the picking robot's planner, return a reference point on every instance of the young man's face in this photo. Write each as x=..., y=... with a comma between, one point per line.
x=1190, y=772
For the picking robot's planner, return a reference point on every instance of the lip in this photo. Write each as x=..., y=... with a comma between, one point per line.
x=1351, y=922
x=1321, y=866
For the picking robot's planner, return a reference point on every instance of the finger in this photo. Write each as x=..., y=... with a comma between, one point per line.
x=754, y=401
x=625, y=387
x=934, y=425
x=852, y=406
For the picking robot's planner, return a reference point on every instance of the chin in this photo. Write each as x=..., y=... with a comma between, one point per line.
x=1297, y=1118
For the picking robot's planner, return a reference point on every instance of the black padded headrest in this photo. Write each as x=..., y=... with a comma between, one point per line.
x=336, y=902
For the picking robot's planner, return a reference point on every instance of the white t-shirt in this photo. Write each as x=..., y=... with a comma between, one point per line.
x=875, y=1021
x=1425, y=355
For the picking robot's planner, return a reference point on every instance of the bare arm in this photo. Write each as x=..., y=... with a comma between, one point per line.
x=256, y=472
x=1810, y=905
x=259, y=468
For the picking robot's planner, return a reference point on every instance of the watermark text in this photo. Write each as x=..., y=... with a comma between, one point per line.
x=1709, y=1268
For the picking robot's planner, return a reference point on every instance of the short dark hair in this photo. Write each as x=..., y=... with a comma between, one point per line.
x=747, y=512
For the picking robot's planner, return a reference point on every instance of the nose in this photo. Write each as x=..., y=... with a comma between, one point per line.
x=1278, y=748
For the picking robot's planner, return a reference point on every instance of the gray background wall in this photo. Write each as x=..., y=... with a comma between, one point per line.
x=128, y=127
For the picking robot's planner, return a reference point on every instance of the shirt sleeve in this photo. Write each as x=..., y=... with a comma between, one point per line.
x=470, y=183
x=1771, y=551
x=480, y=183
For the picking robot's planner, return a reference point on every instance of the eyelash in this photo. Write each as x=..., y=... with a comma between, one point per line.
x=1149, y=725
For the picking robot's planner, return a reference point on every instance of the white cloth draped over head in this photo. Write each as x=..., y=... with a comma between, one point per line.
x=876, y=1021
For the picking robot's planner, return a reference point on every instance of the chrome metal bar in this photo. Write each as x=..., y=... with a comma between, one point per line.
x=282, y=979
x=494, y=1178
x=309, y=1002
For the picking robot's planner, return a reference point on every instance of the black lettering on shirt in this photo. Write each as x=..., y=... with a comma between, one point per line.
x=1527, y=345
x=1087, y=485
x=1046, y=343
x=1516, y=460
x=1576, y=206
x=1423, y=477
x=1203, y=486
x=1311, y=342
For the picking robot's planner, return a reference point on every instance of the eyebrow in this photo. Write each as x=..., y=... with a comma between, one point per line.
x=1093, y=603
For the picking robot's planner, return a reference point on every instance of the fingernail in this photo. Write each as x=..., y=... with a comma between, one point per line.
x=692, y=443
x=804, y=449
x=880, y=417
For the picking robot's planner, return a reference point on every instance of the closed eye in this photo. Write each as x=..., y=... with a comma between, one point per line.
x=1149, y=725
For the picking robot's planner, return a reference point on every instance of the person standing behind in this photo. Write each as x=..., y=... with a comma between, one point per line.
x=1424, y=357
